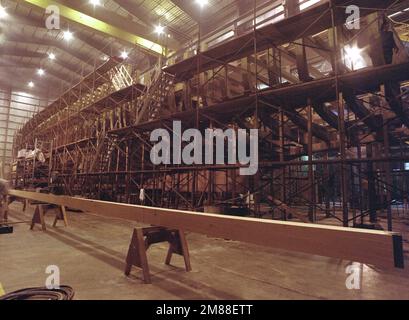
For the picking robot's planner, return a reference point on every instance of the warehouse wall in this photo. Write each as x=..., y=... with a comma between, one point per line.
x=15, y=109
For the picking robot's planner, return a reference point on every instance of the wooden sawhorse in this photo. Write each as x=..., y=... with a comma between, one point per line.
x=9, y=200
x=143, y=238
x=39, y=213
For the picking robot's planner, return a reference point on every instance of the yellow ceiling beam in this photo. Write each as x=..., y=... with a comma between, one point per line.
x=404, y=37
x=96, y=24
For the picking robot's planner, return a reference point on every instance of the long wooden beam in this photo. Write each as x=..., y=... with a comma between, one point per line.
x=383, y=249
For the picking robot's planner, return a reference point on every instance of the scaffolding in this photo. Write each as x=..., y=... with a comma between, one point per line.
x=333, y=132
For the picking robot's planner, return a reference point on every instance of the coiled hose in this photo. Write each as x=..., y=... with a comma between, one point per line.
x=41, y=293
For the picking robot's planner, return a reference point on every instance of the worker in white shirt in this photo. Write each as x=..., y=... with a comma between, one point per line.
x=142, y=196
x=4, y=190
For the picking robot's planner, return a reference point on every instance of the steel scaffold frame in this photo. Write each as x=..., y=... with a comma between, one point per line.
x=326, y=143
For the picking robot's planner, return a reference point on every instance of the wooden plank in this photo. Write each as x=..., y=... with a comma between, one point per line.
x=380, y=248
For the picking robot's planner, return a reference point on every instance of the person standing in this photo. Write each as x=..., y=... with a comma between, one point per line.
x=389, y=45
x=4, y=190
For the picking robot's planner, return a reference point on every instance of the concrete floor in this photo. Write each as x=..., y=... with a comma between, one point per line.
x=91, y=253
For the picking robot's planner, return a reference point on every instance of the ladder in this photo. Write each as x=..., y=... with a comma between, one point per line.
x=121, y=77
x=99, y=147
x=150, y=104
x=110, y=146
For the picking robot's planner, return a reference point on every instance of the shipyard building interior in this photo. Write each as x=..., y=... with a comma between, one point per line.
x=204, y=149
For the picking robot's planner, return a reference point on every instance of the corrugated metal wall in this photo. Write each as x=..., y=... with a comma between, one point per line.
x=15, y=109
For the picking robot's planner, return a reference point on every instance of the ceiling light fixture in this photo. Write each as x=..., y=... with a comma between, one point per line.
x=31, y=84
x=40, y=72
x=51, y=56
x=124, y=55
x=202, y=3
x=159, y=29
x=3, y=12
x=95, y=2
x=68, y=35
x=354, y=58
x=395, y=14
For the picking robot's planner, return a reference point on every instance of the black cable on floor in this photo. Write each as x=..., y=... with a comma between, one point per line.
x=41, y=293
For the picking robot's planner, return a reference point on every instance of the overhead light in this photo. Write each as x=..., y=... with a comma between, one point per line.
x=31, y=84
x=67, y=35
x=104, y=58
x=159, y=29
x=395, y=14
x=95, y=2
x=124, y=55
x=353, y=52
x=202, y=3
x=51, y=56
x=40, y=72
x=354, y=59
x=3, y=12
